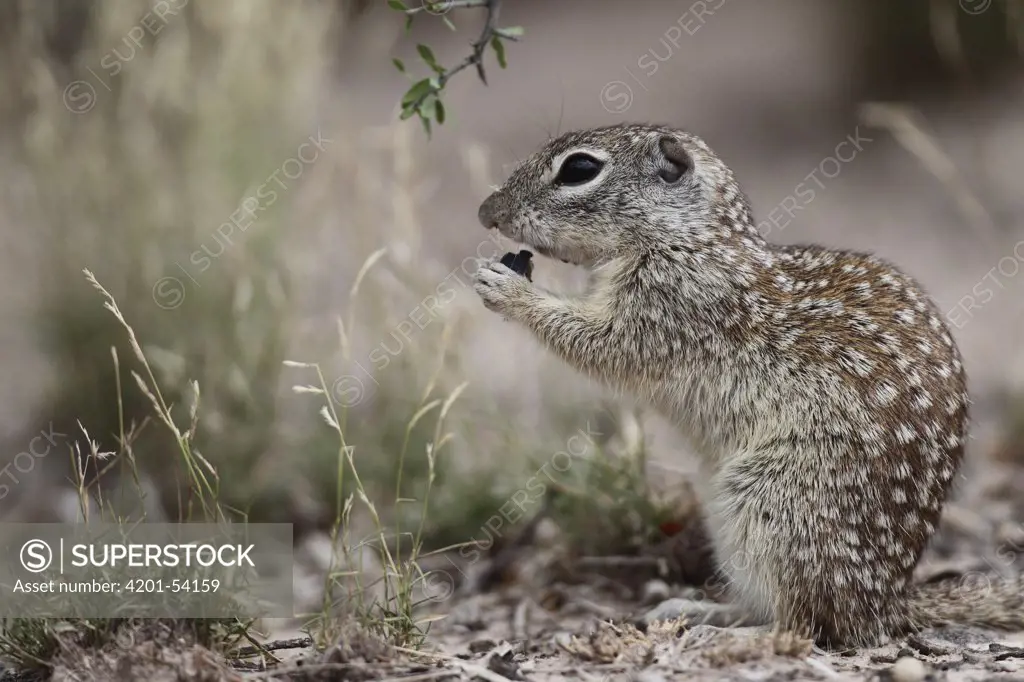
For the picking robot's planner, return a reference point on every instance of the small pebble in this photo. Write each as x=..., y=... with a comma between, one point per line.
x=562, y=639
x=654, y=592
x=908, y=669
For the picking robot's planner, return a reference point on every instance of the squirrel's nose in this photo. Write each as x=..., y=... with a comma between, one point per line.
x=488, y=213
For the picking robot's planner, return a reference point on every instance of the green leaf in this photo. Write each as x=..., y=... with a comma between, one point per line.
x=399, y=64
x=427, y=55
x=510, y=31
x=447, y=21
x=397, y=4
x=426, y=125
x=499, y=51
x=416, y=93
x=408, y=22
x=407, y=113
x=439, y=112
x=428, y=108
x=418, y=90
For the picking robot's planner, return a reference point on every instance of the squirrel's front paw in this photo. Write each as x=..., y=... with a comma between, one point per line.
x=500, y=287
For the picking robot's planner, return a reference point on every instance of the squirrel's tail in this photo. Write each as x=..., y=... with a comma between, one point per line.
x=974, y=599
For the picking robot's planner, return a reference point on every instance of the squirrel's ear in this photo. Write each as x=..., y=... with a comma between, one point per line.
x=675, y=161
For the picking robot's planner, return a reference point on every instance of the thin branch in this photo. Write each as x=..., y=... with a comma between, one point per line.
x=476, y=58
x=445, y=5
x=277, y=645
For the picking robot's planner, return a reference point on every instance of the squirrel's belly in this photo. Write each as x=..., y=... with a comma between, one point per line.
x=743, y=549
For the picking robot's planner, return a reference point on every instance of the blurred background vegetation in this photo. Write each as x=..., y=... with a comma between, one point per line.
x=133, y=131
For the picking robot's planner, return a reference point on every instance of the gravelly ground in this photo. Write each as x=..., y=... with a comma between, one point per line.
x=555, y=619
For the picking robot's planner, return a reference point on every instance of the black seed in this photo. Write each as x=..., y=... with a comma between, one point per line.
x=520, y=263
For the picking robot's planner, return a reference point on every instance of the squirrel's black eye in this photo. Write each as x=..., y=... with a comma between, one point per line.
x=578, y=169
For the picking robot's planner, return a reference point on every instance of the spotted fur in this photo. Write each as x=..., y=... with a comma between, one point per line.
x=822, y=389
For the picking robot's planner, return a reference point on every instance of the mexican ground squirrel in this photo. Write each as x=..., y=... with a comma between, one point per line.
x=821, y=389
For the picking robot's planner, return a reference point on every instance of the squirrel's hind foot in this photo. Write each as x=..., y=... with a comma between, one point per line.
x=700, y=612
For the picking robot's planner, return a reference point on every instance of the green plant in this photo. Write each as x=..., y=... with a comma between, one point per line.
x=391, y=612
x=152, y=145
x=33, y=643
x=423, y=98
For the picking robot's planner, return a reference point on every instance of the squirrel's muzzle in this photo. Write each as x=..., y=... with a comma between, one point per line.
x=491, y=212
